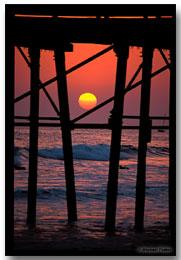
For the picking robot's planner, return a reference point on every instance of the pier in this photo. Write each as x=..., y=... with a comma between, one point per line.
x=54, y=28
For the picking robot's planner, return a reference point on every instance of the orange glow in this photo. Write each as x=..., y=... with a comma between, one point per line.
x=166, y=16
x=76, y=16
x=102, y=17
x=32, y=15
x=127, y=17
x=117, y=17
x=87, y=101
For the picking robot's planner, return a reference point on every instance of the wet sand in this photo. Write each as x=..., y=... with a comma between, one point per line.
x=71, y=241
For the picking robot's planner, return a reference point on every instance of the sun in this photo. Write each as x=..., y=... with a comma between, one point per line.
x=87, y=101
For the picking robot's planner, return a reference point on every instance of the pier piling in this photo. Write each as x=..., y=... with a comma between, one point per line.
x=116, y=126
x=66, y=134
x=33, y=149
x=144, y=137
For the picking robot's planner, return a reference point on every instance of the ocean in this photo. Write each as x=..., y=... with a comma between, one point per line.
x=91, y=165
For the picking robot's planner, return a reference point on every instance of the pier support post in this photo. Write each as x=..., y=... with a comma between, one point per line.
x=116, y=125
x=144, y=137
x=172, y=147
x=33, y=150
x=66, y=134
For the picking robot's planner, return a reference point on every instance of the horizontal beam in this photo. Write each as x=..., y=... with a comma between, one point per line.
x=43, y=31
x=86, y=126
x=125, y=116
x=93, y=9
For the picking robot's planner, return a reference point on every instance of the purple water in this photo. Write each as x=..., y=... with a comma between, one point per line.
x=91, y=155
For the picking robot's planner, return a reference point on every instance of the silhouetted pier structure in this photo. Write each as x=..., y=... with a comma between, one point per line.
x=51, y=28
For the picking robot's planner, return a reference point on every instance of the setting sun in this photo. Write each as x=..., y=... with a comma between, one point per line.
x=87, y=101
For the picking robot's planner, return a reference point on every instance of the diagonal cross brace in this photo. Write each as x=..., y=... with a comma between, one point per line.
x=67, y=72
x=164, y=57
x=128, y=88
x=106, y=101
x=45, y=91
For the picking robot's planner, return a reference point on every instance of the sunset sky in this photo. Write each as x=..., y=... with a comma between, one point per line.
x=97, y=77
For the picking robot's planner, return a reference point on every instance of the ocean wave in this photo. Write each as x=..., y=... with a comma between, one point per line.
x=99, y=152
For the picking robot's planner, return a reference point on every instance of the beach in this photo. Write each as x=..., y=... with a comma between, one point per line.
x=69, y=239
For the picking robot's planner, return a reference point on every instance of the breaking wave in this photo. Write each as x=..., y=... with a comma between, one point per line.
x=98, y=152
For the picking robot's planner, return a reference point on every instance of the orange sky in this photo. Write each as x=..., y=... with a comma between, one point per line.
x=97, y=77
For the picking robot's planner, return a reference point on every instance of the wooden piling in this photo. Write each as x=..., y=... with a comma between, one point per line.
x=33, y=150
x=144, y=137
x=172, y=149
x=116, y=125
x=66, y=134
